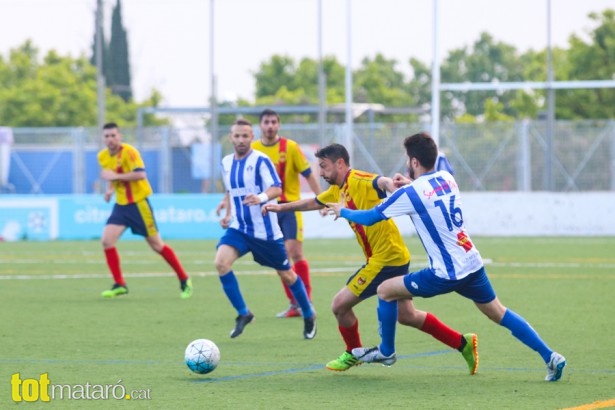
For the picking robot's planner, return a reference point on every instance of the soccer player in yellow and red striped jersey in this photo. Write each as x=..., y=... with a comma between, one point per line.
x=290, y=163
x=385, y=253
x=124, y=170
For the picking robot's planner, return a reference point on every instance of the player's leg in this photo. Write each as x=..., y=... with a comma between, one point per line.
x=483, y=295
x=114, y=228
x=368, y=281
x=272, y=253
x=146, y=226
x=348, y=325
x=387, y=312
x=427, y=322
x=293, y=241
x=230, y=247
x=296, y=286
x=168, y=254
x=110, y=236
x=294, y=248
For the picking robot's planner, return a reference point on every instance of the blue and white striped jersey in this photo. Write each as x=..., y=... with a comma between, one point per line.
x=433, y=203
x=251, y=175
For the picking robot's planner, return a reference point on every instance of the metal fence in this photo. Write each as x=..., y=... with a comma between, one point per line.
x=508, y=156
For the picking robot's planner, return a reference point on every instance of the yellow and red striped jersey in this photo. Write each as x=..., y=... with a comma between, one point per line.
x=126, y=160
x=381, y=241
x=289, y=162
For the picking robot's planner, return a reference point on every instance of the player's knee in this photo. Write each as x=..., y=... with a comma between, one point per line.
x=339, y=308
x=384, y=292
x=222, y=266
x=107, y=243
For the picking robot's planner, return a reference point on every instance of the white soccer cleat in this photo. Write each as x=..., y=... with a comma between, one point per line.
x=373, y=355
x=555, y=367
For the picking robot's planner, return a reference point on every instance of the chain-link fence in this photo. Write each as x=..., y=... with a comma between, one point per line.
x=508, y=156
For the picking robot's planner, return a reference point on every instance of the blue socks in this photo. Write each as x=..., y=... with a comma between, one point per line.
x=526, y=334
x=300, y=294
x=233, y=293
x=387, y=322
x=231, y=288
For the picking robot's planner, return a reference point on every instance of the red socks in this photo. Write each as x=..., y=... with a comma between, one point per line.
x=113, y=261
x=351, y=336
x=169, y=255
x=441, y=332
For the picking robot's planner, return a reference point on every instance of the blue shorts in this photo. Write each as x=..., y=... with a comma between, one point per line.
x=426, y=284
x=265, y=252
x=139, y=217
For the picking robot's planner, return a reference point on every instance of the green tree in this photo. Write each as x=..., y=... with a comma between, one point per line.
x=379, y=81
x=592, y=60
x=282, y=81
x=119, y=79
x=59, y=91
x=487, y=61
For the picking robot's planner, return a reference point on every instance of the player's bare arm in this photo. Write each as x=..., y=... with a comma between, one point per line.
x=109, y=175
x=108, y=192
x=271, y=193
x=308, y=204
x=313, y=182
x=224, y=204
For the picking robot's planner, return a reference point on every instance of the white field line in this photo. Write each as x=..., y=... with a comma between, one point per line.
x=348, y=270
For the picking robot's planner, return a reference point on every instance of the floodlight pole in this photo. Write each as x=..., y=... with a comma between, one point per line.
x=548, y=175
x=321, y=82
x=348, y=142
x=100, y=78
x=213, y=102
x=435, y=75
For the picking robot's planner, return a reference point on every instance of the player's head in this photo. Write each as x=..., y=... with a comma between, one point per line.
x=269, y=122
x=334, y=163
x=112, y=137
x=241, y=137
x=421, y=151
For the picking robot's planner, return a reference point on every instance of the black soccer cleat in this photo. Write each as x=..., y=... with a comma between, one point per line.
x=240, y=322
x=309, y=327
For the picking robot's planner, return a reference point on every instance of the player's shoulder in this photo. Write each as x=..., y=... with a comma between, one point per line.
x=289, y=141
x=256, y=154
x=292, y=145
x=358, y=175
x=130, y=150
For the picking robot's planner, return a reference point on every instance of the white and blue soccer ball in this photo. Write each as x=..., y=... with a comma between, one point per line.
x=202, y=356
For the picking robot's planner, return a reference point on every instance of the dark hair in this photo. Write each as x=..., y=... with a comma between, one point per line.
x=109, y=126
x=267, y=113
x=422, y=147
x=242, y=121
x=333, y=152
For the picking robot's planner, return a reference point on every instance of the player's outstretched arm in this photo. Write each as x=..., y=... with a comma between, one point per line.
x=367, y=218
x=307, y=204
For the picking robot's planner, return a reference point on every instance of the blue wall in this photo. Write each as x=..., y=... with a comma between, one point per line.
x=76, y=217
x=53, y=171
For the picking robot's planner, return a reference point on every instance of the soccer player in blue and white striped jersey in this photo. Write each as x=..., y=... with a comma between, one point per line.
x=432, y=200
x=251, y=181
